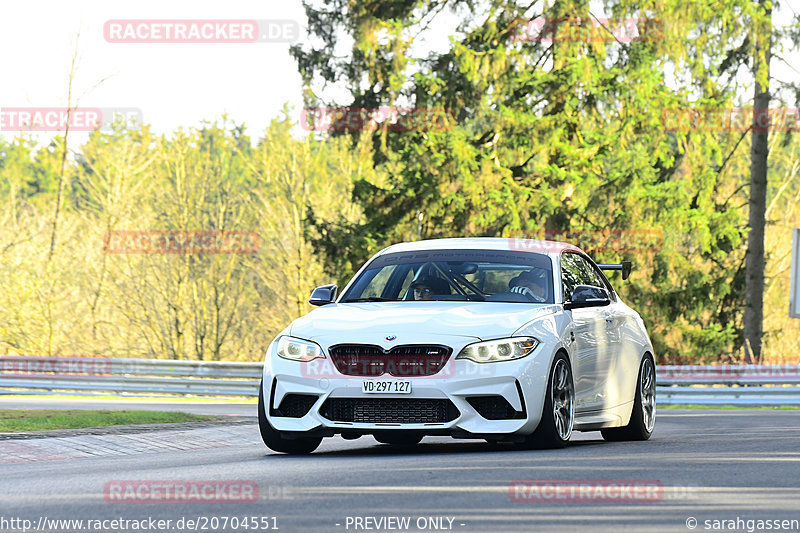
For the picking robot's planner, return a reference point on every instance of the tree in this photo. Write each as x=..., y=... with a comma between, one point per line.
x=759, y=154
x=567, y=130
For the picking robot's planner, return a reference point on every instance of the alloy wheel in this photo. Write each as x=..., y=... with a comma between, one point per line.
x=647, y=392
x=563, y=399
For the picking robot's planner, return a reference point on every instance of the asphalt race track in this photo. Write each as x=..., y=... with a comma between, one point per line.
x=700, y=465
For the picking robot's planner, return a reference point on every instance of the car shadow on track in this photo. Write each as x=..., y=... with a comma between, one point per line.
x=373, y=448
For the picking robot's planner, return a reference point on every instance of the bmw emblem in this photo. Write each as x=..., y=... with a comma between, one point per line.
x=390, y=337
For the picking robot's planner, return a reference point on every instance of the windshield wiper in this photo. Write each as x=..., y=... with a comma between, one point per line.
x=370, y=299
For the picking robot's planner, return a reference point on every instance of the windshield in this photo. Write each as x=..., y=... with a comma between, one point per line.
x=460, y=275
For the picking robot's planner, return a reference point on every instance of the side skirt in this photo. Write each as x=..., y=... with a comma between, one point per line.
x=607, y=418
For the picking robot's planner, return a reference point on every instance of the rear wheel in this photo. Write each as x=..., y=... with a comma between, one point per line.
x=398, y=439
x=273, y=439
x=643, y=416
x=558, y=414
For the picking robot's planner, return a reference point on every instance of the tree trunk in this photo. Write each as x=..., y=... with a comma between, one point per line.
x=754, y=285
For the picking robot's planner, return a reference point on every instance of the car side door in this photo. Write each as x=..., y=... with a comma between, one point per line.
x=615, y=316
x=625, y=345
x=589, y=327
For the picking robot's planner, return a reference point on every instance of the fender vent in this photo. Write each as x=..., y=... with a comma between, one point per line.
x=494, y=408
x=295, y=405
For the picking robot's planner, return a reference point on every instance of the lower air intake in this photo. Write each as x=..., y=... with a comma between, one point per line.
x=389, y=410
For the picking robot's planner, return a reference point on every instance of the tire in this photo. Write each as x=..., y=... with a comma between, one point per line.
x=558, y=413
x=398, y=439
x=273, y=439
x=643, y=415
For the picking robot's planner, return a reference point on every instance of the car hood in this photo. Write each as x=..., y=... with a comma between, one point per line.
x=413, y=322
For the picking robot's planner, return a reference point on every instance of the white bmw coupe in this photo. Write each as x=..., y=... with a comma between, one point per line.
x=498, y=339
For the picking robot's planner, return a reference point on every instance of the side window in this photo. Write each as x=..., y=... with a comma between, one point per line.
x=590, y=274
x=571, y=275
x=598, y=279
x=575, y=270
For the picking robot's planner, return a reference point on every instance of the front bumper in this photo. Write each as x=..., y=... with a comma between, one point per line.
x=521, y=383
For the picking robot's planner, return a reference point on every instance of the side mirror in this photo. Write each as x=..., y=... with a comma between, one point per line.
x=323, y=295
x=588, y=296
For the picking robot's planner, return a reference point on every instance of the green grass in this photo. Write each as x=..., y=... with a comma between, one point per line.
x=769, y=407
x=13, y=420
x=160, y=399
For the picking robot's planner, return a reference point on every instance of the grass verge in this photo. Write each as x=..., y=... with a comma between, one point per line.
x=130, y=398
x=14, y=420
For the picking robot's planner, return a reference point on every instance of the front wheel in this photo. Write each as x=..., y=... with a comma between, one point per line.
x=558, y=414
x=273, y=439
x=643, y=415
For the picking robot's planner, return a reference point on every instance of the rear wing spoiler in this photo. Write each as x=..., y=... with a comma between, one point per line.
x=624, y=267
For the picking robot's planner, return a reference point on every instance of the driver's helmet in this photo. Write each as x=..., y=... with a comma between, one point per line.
x=536, y=276
x=436, y=285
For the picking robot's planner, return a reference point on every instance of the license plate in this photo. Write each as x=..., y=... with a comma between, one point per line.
x=386, y=386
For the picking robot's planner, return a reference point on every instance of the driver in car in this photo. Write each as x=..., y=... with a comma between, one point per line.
x=532, y=284
x=425, y=288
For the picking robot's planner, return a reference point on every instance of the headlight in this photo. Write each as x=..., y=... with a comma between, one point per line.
x=298, y=349
x=499, y=350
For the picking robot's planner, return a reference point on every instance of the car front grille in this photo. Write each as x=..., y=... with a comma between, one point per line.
x=389, y=410
x=409, y=360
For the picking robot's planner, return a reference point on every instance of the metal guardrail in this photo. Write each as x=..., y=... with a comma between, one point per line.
x=743, y=385
x=728, y=375
x=151, y=377
x=688, y=384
